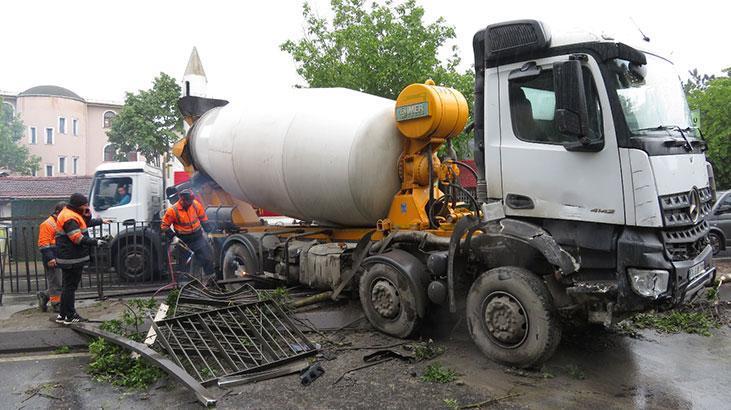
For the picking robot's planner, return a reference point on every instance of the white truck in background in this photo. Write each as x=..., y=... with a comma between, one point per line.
x=136, y=246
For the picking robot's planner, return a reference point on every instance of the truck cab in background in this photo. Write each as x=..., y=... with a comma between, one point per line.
x=131, y=195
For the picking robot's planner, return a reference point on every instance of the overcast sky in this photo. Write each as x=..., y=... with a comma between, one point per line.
x=100, y=49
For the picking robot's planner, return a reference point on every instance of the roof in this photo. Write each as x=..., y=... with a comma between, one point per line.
x=50, y=91
x=17, y=187
x=128, y=165
x=466, y=178
x=195, y=67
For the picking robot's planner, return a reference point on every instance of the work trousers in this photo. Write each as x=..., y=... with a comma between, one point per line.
x=202, y=253
x=53, y=280
x=71, y=279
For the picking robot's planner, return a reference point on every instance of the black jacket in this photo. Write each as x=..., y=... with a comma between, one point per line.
x=67, y=252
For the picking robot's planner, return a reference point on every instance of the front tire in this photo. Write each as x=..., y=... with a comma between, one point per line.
x=134, y=263
x=716, y=240
x=389, y=302
x=511, y=317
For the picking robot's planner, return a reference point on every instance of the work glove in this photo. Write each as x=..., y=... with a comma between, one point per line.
x=100, y=242
x=52, y=263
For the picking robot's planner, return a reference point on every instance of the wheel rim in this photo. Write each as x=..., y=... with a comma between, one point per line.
x=385, y=299
x=238, y=268
x=134, y=263
x=505, y=319
x=715, y=243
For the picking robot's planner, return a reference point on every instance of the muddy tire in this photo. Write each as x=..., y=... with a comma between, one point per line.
x=716, y=240
x=511, y=317
x=238, y=260
x=134, y=263
x=388, y=301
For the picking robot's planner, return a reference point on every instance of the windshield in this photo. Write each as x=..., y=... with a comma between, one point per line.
x=651, y=95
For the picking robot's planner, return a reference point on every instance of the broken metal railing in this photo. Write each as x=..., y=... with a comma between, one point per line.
x=232, y=340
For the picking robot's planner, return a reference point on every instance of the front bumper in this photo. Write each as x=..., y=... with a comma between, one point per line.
x=686, y=288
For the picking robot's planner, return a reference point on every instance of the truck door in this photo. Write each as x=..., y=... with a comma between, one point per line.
x=540, y=177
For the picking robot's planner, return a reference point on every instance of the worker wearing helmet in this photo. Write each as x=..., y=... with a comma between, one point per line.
x=187, y=218
x=47, y=247
x=72, y=252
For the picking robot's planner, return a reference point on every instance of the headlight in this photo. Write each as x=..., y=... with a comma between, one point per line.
x=649, y=283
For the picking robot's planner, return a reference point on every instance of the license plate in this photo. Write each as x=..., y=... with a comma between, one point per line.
x=695, y=270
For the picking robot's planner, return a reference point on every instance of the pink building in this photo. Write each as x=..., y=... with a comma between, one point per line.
x=68, y=132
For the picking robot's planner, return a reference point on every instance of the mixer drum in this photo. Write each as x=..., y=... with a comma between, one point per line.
x=328, y=155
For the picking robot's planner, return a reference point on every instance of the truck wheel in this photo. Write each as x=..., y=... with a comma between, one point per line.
x=511, y=317
x=237, y=262
x=388, y=301
x=715, y=239
x=134, y=263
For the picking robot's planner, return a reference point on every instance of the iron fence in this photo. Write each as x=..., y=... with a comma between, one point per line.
x=136, y=256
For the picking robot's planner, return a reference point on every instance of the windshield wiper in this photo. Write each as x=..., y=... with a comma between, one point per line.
x=673, y=142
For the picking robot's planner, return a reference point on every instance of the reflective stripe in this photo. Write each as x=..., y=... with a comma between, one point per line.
x=72, y=261
x=74, y=232
x=47, y=247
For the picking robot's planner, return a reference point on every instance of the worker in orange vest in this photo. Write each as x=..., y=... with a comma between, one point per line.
x=72, y=252
x=47, y=246
x=188, y=219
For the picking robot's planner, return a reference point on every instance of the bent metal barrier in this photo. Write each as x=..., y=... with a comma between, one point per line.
x=125, y=265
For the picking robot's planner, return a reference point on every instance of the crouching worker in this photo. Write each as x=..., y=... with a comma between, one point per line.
x=47, y=246
x=72, y=247
x=187, y=218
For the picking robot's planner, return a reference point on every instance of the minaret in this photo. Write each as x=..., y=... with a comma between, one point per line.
x=194, y=79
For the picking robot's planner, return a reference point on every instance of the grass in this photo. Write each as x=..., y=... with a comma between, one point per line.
x=425, y=350
x=436, y=373
x=575, y=372
x=113, y=364
x=62, y=350
x=696, y=322
x=451, y=404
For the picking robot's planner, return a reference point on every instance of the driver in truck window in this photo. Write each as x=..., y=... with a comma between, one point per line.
x=123, y=197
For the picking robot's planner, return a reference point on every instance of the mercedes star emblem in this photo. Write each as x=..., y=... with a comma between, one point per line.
x=694, y=205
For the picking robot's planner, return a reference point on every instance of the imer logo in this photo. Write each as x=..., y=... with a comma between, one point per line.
x=411, y=111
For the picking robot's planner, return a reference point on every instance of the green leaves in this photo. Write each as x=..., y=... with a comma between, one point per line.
x=13, y=155
x=149, y=122
x=378, y=50
x=714, y=103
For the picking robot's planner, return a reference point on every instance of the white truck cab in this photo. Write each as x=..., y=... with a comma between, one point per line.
x=131, y=195
x=123, y=191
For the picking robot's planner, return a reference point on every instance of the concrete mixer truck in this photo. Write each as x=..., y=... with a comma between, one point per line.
x=592, y=191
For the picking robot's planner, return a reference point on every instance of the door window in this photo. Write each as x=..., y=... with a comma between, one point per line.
x=111, y=192
x=532, y=106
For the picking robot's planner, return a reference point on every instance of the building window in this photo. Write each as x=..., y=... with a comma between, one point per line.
x=49, y=170
x=61, y=125
x=75, y=165
x=75, y=126
x=109, y=151
x=61, y=165
x=33, y=135
x=108, y=117
x=49, y=136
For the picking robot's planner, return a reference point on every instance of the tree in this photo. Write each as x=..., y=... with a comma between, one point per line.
x=714, y=103
x=379, y=51
x=14, y=156
x=697, y=81
x=149, y=122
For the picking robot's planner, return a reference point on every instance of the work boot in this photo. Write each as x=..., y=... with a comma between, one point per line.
x=42, y=301
x=59, y=319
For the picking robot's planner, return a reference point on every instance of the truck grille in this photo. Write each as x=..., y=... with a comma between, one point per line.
x=684, y=239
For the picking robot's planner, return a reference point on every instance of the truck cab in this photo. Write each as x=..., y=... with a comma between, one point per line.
x=129, y=194
x=592, y=140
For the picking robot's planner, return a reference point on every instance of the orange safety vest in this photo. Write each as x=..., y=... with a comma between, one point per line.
x=47, y=233
x=76, y=235
x=184, y=221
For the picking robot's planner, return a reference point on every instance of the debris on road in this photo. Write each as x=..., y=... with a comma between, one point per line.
x=310, y=374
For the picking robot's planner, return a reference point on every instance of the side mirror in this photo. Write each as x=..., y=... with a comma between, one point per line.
x=571, y=115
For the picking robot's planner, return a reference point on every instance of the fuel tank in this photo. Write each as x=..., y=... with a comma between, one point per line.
x=328, y=155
